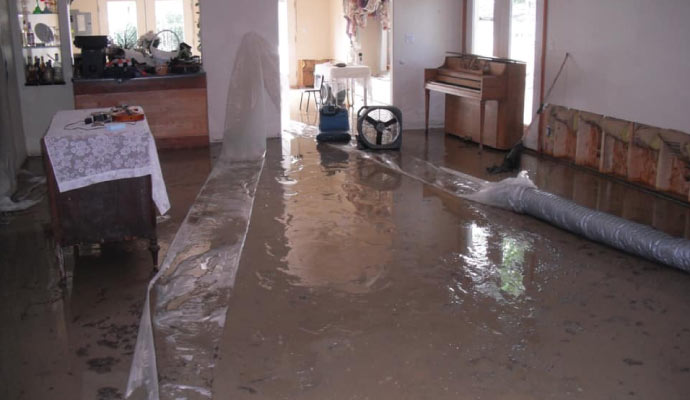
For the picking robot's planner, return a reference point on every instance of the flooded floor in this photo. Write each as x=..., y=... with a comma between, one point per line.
x=582, y=185
x=77, y=342
x=359, y=283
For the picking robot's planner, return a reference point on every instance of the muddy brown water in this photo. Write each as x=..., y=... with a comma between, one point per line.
x=359, y=283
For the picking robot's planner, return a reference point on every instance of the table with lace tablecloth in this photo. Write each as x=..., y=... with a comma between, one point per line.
x=360, y=74
x=83, y=154
x=103, y=181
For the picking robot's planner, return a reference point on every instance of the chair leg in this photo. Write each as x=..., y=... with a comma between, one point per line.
x=308, y=99
x=300, y=100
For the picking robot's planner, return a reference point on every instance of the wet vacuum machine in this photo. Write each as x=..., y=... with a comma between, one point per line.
x=378, y=127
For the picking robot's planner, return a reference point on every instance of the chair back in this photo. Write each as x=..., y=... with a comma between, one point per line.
x=318, y=81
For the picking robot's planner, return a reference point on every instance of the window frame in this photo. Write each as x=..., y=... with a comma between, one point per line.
x=146, y=18
x=103, y=16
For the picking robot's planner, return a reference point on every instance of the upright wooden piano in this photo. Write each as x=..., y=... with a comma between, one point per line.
x=484, y=98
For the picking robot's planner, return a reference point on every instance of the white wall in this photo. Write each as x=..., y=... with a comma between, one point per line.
x=370, y=41
x=630, y=59
x=310, y=30
x=292, y=45
x=223, y=24
x=313, y=29
x=89, y=6
x=339, y=40
x=422, y=33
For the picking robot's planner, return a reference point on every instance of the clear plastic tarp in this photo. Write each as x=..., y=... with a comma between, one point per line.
x=186, y=303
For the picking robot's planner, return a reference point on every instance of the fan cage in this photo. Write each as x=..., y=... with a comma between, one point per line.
x=379, y=126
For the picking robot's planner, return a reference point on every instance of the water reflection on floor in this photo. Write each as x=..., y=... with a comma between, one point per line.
x=357, y=282
x=579, y=184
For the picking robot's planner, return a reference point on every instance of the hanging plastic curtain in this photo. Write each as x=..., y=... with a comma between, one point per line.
x=254, y=84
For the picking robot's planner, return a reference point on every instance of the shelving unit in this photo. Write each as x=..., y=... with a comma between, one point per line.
x=28, y=20
x=38, y=103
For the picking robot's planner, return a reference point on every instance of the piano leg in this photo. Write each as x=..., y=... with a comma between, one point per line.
x=481, y=125
x=426, y=111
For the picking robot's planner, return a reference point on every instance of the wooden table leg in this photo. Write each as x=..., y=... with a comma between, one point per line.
x=154, y=248
x=427, y=94
x=60, y=259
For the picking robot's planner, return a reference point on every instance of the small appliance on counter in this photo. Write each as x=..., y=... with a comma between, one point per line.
x=92, y=55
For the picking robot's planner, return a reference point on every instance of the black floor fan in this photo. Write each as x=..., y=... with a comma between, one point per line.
x=379, y=127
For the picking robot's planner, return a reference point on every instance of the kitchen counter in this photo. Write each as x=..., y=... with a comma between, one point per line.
x=175, y=104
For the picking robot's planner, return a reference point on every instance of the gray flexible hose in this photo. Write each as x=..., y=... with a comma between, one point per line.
x=638, y=239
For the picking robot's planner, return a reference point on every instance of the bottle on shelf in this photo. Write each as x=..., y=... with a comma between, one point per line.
x=49, y=74
x=37, y=69
x=25, y=33
x=41, y=71
x=32, y=72
x=50, y=7
x=57, y=70
x=37, y=10
x=30, y=37
x=29, y=71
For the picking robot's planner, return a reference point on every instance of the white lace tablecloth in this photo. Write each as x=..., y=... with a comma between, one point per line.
x=82, y=155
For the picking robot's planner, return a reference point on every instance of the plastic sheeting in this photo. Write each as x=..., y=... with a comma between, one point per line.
x=31, y=189
x=186, y=303
x=190, y=294
x=254, y=85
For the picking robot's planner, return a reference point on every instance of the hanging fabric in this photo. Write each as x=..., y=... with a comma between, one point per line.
x=357, y=11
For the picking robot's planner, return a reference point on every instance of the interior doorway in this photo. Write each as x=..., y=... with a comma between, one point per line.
x=315, y=32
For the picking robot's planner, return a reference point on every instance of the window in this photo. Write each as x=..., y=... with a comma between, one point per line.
x=170, y=17
x=124, y=19
x=483, y=28
x=518, y=42
x=122, y=23
x=523, y=26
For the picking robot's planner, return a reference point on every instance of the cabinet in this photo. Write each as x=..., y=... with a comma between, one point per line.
x=305, y=72
x=104, y=212
x=176, y=106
